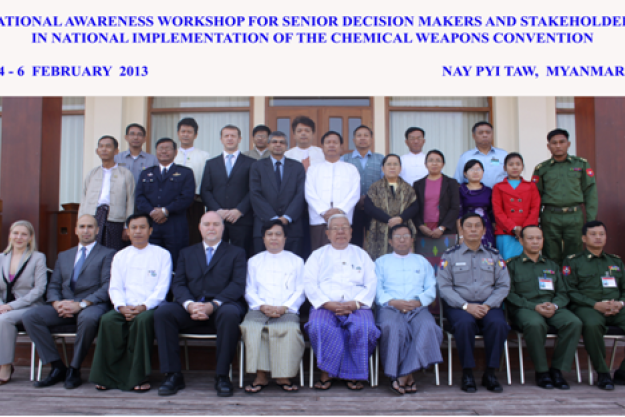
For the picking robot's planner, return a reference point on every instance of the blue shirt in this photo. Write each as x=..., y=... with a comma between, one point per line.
x=404, y=278
x=493, y=165
x=369, y=167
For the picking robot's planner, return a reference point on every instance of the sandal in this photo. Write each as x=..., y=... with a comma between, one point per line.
x=354, y=386
x=2, y=382
x=411, y=389
x=322, y=383
x=397, y=390
x=294, y=387
x=254, y=387
x=142, y=390
x=101, y=388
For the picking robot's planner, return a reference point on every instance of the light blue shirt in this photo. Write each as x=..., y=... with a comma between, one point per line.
x=493, y=165
x=409, y=277
x=363, y=159
x=273, y=162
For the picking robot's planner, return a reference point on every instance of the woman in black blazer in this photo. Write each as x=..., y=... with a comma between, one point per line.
x=436, y=192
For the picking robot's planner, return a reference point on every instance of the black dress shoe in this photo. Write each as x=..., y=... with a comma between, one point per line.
x=543, y=380
x=72, y=379
x=619, y=377
x=468, y=384
x=558, y=380
x=173, y=383
x=605, y=382
x=491, y=383
x=55, y=376
x=224, y=386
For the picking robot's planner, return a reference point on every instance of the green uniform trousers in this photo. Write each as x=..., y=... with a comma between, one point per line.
x=594, y=328
x=562, y=234
x=123, y=351
x=534, y=327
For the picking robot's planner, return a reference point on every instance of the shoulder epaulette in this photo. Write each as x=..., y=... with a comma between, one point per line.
x=614, y=255
x=452, y=249
x=512, y=258
x=492, y=249
x=538, y=166
x=571, y=256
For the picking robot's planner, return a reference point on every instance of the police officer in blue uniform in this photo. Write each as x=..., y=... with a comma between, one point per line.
x=165, y=192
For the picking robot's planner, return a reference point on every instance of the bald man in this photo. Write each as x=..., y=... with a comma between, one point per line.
x=209, y=289
x=77, y=296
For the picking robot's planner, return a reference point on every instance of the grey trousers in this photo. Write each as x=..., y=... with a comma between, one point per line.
x=37, y=322
x=8, y=334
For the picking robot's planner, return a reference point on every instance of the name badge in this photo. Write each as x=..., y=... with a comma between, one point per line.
x=494, y=161
x=545, y=284
x=608, y=282
x=461, y=263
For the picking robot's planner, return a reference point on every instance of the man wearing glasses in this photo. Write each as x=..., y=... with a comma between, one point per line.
x=135, y=159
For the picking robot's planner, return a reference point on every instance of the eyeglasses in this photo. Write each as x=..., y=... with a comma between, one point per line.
x=406, y=236
x=476, y=169
x=139, y=134
x=342, y=228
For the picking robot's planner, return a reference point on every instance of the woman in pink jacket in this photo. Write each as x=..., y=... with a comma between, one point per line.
x=516, y=204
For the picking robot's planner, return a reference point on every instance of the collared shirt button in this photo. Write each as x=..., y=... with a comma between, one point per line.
x=520, y=200
x=512, y=211
x=521, y=211
x=512, y=200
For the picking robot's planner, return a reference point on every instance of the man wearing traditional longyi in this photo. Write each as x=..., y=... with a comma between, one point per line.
x=410, y=339
x=340, y=283
x=271, y=330
x=140, y=276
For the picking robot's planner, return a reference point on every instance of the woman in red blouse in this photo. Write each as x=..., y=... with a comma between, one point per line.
x=516, y=204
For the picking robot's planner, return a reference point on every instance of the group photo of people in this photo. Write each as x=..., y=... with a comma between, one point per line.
x=290, y=245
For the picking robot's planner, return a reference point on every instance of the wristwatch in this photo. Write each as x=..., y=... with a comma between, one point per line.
x=83, y=304
x=465, y=306
x=441, y=228
x=165, y=211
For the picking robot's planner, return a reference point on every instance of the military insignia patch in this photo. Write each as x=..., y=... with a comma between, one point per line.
x=566, y=270
x=502, y=264
x=535, y=178
x=443, y=264
x=590, y=172
x=488, y=261
x=149, y=173
x=577, y=169
x=176, y=174
x=614, y=268
x=549, y=271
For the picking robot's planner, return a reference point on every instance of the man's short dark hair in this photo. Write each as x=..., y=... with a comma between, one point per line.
x=330, y=133
x=592, y=224
x=529, y=226
x=413, y=129
x=165, y=140
x=556, y=132
x=136, y=216
x=478, y=124
x=137, y=125
x=115, y=143
x=276, y=134
x=303, y=120
x=470, y=215
x=233, y=127
x=271, y=223
x=399, y=226
x=261, y=128
x=188, y=121
x=363, y=127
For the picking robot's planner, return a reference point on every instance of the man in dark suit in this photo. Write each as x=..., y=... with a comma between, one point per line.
x=78, y=296
x=209, y=288
x=277, y=192
x=226, y=189
x=165, y=192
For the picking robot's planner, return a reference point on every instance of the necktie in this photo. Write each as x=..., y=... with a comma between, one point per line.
x=78, y=267
x=278, y=176
x=209, y=255
x=164, y=172
x=229, y=164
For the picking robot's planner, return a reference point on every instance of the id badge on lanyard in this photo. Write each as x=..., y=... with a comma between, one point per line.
x=545, y=284
x=608, y=281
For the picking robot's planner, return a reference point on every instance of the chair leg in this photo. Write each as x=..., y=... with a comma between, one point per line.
x=186, y=354
x=230, y=373
x=241, y=363
x=522, y=369
x=613, y=354
x=371, y=372
x=591, y=376
x=312, y=365
x=39, y=370
x=377, y=365
x=32, y=361
x=64, y=350
x=438, y=376
x=449, y=370
x=301, y=372
x=507, y=353
x=579, y=372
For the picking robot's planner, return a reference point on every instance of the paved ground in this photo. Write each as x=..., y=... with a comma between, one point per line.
x=19, y=398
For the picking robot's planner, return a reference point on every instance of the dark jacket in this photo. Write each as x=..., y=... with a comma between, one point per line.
x=449, y=204
x=223, y=279
x=175, y=191
x=268, y=201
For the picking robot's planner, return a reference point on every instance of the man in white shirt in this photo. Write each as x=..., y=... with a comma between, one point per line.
x=260, y=137
x=108, y=194
x=304, y=151
x=194, y=158
x=413, y=163
x=271, y=330
x=332, y=187
x=140, y=277
x=340, y=283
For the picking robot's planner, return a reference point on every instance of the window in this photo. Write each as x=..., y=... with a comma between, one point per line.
x=72, y=138
x=211, y=114
x=565, y=118
x=447, y=122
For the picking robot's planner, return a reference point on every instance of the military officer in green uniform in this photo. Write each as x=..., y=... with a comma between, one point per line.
x=597, y=291
x=538, y=299
x=564, y=183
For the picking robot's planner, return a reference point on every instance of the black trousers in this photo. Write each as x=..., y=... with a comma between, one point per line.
x=492, y=326
x=360, y=223
x=170, y=319
x=239, y=235
x=172, y=235
x=293, y=244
